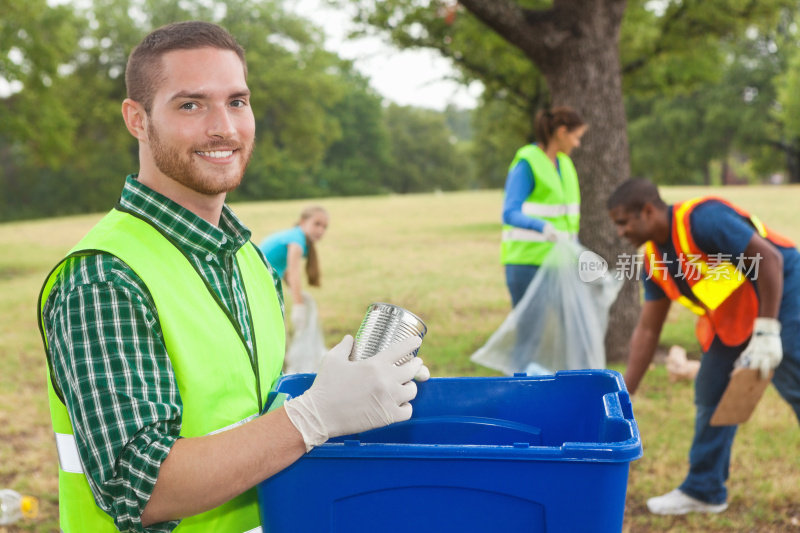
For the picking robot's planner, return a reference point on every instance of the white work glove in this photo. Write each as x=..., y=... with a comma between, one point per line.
x=299, y=316
x=354, y=396
x=764, y=351
x=553, y=235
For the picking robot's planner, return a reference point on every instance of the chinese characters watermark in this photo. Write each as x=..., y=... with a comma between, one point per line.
x=690, y=267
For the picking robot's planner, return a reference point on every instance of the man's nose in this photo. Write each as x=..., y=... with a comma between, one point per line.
x=221, y=123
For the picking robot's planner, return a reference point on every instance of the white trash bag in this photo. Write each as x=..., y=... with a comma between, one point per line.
x=560, y=323
x=307, y=345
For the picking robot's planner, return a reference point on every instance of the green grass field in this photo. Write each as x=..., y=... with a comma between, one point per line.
x=437, y=255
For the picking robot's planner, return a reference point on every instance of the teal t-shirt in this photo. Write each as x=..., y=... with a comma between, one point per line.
x=276, y=247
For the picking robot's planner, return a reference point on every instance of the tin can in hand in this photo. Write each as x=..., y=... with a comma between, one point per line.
x=383, y=325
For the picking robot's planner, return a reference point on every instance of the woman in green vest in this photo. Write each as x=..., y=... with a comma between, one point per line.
x=542, y=197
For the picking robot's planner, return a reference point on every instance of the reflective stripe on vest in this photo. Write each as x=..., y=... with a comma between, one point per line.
x=219, y=384
x=555, y=199
x=711, y=285
x=68, y=458
x=522, y=234
x=533, y=209
x=70, y=461
x=665, y=281
x=725, y=298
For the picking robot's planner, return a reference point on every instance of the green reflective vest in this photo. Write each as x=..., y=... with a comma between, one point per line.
x=554, y=199
x=219, y=385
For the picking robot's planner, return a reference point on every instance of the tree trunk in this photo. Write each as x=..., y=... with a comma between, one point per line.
x=575, y=45
x=725, y=172
x=588, y=78
x=793, y=166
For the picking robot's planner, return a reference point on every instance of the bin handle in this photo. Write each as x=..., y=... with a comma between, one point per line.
x=618, y=405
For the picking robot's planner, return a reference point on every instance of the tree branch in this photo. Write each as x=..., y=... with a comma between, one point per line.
x=532, y=31
x=479, y=70
x=783, y=146
x=683, y=11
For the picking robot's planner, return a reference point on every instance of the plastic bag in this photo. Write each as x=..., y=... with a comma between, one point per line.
x=561, y=321
x=307, y=346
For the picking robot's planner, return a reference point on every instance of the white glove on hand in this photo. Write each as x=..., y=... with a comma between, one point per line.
x=765, y=350
x=551, y=234
x=299, y=316
x=354, y=396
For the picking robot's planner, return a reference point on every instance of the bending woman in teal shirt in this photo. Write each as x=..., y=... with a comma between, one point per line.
x=286, y=249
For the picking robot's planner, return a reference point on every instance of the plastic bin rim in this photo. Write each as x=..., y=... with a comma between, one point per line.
x=542, y=377
x=618, y=452
x=614, y=452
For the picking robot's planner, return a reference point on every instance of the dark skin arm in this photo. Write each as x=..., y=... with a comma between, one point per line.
x=648, y=330
x=770, y=274
x=644, y=341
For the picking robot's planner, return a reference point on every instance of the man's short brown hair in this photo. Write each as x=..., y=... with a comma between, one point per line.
x=144, y=70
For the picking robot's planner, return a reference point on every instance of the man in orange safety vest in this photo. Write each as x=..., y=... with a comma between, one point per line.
x=743, y=281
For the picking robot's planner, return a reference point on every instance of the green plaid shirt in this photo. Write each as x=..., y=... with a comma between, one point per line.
x=109, y=357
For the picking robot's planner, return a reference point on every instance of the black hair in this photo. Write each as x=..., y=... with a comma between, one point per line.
x=633, y=194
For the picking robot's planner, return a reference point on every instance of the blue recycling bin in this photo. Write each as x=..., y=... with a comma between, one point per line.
x=480, y=454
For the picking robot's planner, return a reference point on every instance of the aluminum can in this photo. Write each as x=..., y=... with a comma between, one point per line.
x=383, y=325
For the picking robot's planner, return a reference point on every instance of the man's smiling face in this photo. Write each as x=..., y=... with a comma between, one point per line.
x=201, y=128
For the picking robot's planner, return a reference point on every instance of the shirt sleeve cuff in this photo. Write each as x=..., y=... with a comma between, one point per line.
x=140, y=464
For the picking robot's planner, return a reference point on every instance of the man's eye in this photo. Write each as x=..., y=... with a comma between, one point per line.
x=189, y=106
x=238, y=103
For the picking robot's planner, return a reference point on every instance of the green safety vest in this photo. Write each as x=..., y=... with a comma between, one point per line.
x=554, y=199
x=219, y=385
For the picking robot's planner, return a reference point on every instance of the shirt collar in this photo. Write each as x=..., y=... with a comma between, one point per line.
x=190, y=232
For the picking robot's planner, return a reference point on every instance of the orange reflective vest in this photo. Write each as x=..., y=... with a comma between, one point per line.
x=722, y=296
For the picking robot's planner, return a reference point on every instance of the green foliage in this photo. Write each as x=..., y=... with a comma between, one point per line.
x=353, y=163
x=676, y=137
x=459, y=121
x=698, y=78
x=678, y=45
x=788, y=86
x=705, y=81
x=423, y=152
x=321, y=130
x=34, y=38
x=500, y=129
x=477, y=53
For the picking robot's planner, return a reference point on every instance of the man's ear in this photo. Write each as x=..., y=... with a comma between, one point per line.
x=647, y=210
x=135, y=118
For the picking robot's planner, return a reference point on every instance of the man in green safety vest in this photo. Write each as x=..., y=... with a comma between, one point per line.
x=163, y=327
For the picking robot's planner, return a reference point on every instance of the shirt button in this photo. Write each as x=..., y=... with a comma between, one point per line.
x=224, y=240
x=209, y=258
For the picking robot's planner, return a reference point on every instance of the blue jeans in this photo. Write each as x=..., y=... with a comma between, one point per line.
x=710, y=454
x=518, y=277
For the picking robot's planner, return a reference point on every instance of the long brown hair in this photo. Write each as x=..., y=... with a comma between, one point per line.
x=547, y=121
x=313, y=272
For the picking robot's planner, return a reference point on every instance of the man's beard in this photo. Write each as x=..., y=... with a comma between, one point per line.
x=181, y=168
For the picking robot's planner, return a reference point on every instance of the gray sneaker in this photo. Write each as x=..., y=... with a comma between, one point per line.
x=677, y=502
